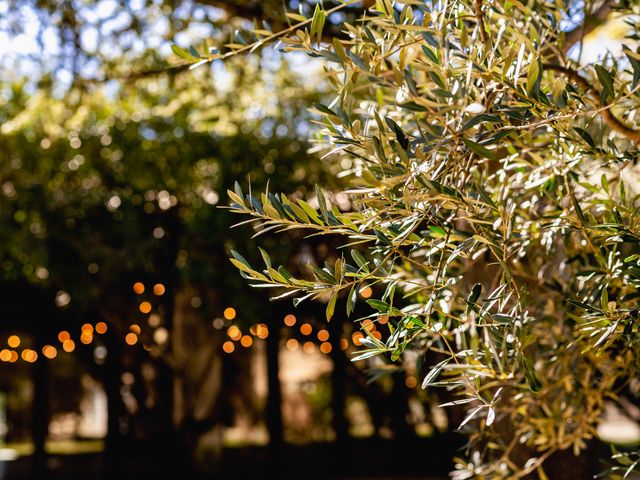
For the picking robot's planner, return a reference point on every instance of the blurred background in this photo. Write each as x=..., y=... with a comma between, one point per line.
x=129, y=345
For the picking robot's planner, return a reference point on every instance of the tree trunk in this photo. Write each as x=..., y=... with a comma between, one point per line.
x=274, y=397
x=40, y=422
x=338, y=376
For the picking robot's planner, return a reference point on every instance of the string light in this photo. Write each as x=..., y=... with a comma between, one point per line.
x=49, y=351
x=14, y=356
x=5, y=355
x=158, y=289
x=290, y=320
x=86, y=338
x=383, y=319
x=14, y=341
x=306, y=329
x=262, y=331
x=228, y=347
x=368, y=325
x=234, y=332
x=87, y=328
x=325, y=347
x=63, y=336
x=135, y=328
x=344, y=344
x=246, y=341
x=138, y=288
x=357, y=338
x=101, y=328
x=145, y=307
x=411, y=381
x=68, y=345
x=366, y=292
x=131, y=338
x=229, y=313
x=323, y=335
x=292, y=344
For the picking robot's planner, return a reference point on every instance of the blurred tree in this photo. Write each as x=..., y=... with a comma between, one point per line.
x=106, y=189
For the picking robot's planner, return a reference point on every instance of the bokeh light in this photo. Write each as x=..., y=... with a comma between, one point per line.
x=234, y=332
x=306, y=329
x=131, y=338
x=292, y=344
x=246, y=341
x=158, y=289
x=229, y=313
x=138, y=288
x=290, y=320
x=14, y=341
x=325, y=347
x=323, y=335
x=145, y=307
x=101, y=328
x=228, y=347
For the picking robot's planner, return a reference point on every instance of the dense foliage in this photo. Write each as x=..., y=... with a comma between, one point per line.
x=493, y=210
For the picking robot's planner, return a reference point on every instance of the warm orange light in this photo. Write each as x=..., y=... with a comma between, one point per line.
x=344, y=344
x=383, y=319
x=246, y=341
x=158, y=289
x=290, y=320
x=68, y=345
x=306, y=329
x=138, y=287
x=366, y=292
x=368, y=325
x=377, y=334
x=86, y=338
x=228, y=347
x=234, y=332
x=229, y=313
x=253, y=329
x=87, y=328
x=14, y=341
x=29, y=355
x=292, y=344
x=63, y=336
x=101, y=328
x=5, y=355
x=145, y=307
x=14, y=356
x=309, y=347
x=131, y=338
x=357, y=338
x=325, y=347
x=323, y=335
x=262, y=331
x=411, y=381
x=135, y=329
x=49, y=351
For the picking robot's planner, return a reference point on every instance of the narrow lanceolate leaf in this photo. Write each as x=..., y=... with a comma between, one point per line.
x=322, y=202
x=634, y=60
x=480, y=150
x=491, y=416
x=331, y=306
x=434, y=373
x=471, y=416
x=530, y=375
x=184, y=54
x=606, y=80
x=359, y=259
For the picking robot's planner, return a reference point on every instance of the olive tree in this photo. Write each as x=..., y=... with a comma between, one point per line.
x=491, y=179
